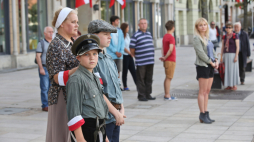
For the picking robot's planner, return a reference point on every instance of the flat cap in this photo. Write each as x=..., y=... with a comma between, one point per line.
x=100, y=26
x=85, y=43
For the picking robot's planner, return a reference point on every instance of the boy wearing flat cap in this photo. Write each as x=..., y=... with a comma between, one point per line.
x=87, y=107
x=107, y=69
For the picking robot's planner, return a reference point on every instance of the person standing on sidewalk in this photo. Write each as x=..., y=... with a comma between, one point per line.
x=128, y=62
x=116, y=47
x=41, y=61
x=213, y=35
x=229, y=55
x=107, y=71
x=244, y=50
x=61, y=63
x=169, y=58
x=206, y=61
x=142, y=49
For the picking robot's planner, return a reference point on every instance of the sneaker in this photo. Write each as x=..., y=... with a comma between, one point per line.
x=126, y=89
x=174, y=98
x=169, y=99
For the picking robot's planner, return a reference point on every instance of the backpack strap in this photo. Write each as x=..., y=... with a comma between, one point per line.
x=223, y=37
x=42, y=44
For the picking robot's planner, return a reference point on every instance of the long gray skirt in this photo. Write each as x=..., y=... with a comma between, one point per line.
x=57, y=129
x=231, y=70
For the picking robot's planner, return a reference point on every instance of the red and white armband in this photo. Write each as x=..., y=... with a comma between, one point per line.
x=98, y=75
x=63, y=77
x=75, y=123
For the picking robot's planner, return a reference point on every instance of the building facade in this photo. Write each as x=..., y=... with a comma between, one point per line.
x=233, y=13
x=23, y=21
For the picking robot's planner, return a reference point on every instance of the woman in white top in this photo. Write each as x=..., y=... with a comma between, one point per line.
x=128, y=63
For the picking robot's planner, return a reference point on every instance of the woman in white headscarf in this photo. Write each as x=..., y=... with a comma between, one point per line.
x=60, y=64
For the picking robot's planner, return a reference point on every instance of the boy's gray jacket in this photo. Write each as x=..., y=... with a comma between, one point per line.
x=202, y=58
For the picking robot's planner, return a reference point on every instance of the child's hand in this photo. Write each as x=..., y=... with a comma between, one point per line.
x=107, y=139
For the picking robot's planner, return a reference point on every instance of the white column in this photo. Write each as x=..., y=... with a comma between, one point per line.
x=15, y=50
x=138, y=10
x=23, y=19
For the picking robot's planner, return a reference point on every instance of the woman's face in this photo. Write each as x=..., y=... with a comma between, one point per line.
x=127, y=29
x=229, y=29
x=70, y=25
x=202, y=27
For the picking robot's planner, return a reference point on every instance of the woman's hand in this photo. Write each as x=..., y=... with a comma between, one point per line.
x=216, y=65
x=72, y=71
x=235, y=60
x=213, y=64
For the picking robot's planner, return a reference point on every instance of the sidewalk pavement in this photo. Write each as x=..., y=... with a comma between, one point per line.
x=152, y=121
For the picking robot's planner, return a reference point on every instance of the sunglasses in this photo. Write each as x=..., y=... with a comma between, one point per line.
x=212, y=24
x=228, y=27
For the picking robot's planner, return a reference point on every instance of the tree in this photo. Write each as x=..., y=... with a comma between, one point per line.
x=244, y=4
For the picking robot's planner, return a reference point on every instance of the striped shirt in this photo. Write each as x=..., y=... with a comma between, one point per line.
x=144, y=48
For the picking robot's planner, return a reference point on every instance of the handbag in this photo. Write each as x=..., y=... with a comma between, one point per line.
x=222, y=72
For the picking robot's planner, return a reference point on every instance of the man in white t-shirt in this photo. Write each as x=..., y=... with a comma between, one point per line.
x=212, y=35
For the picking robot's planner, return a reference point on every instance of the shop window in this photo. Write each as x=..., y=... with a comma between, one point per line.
x=2, y=30
x=36, y=21
x=147, y=13
x=129, y=17
x=106, y=12
x=70, y=3
x=162, y=20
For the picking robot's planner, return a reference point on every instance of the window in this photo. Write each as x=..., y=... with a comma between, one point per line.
x=2, y=31
x=32, y=17
x=129, y=17
x=106, y=12
x=147, y=13
x=162, y=17
x=36, y=21
x=70, y=3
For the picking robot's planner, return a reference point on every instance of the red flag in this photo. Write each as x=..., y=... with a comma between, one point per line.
x=112, y=2
x=124, y=4
x=82, y=2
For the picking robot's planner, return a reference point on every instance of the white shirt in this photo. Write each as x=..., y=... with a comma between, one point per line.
x=212, y=34
x=127, y=41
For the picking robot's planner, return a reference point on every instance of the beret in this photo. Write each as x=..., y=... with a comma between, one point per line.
x=100, y=26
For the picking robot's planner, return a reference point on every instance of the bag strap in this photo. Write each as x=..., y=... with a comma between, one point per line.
x=42, y=44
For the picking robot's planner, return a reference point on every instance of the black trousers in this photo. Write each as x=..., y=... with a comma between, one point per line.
x=89, y=128
x=144, y=81
x=128, y=64
x=241, y=67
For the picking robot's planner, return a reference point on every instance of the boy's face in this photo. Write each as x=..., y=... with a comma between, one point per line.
x=89, y=59
x=104, y=39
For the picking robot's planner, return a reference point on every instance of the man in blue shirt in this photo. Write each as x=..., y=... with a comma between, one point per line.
x=116, y=47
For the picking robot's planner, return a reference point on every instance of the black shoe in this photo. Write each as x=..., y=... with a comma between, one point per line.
x=203, y=118
x=151, y=98
x=143, y=99
x=208, y=117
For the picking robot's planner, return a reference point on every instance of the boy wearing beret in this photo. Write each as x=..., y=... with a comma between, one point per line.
x=87, y=107
x=108, y=72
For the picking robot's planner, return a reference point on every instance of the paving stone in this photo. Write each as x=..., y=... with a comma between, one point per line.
x=236, y=137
